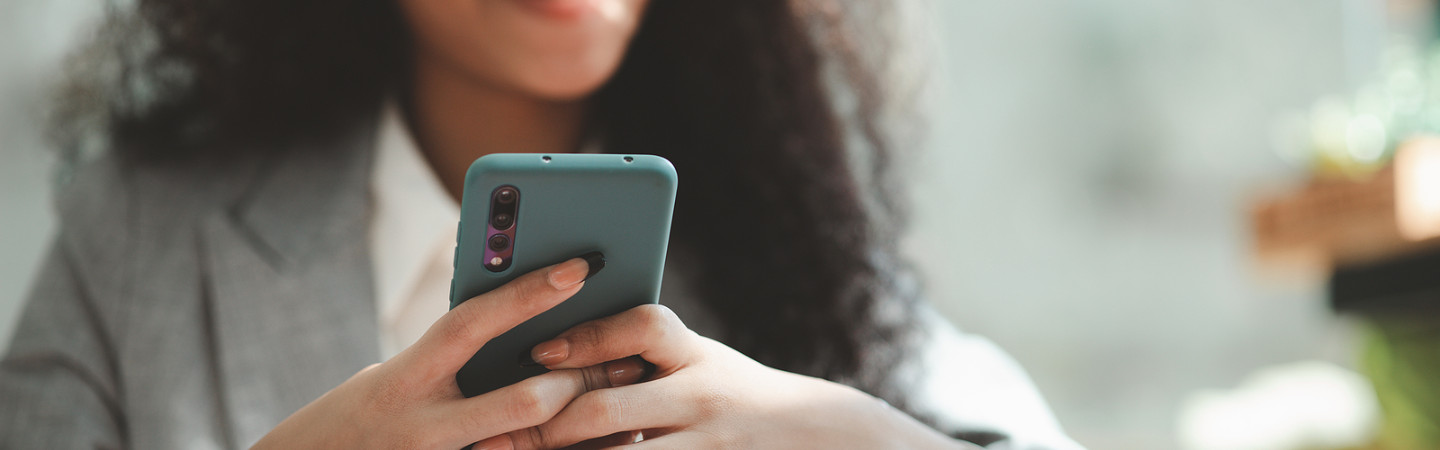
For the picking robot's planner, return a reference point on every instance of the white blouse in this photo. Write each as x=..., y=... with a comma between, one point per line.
x=964, y=380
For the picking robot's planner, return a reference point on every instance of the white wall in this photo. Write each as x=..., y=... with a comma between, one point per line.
x=1083, y=202
x=33, y=35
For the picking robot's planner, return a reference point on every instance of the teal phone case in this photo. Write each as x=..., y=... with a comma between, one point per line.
x=569, y=204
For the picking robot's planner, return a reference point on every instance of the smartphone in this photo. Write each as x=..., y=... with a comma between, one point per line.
x=522, y=212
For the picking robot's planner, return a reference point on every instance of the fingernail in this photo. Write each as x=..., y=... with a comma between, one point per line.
x=568, y=274
x=625, y=372
x=551, y=352
x=526, y=360
x=596, y=261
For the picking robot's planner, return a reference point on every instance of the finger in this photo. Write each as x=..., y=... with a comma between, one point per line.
x=662, y=403
x=535, y=400
x=622, y=438
x=651, y=331
x=621, y=372
x=453, y=339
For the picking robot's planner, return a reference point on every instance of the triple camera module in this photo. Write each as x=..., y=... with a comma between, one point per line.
x=499, y=243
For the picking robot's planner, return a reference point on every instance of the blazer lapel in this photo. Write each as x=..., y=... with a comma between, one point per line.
x=291, y=304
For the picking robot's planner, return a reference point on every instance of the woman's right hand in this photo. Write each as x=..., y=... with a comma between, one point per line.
x=412, y=401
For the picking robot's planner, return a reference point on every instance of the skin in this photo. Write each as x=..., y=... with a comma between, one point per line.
x=412, y=401
x=706, y=395
x=509, y=75
x=514, y=76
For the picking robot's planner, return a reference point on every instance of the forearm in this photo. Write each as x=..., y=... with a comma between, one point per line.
x=901, y=430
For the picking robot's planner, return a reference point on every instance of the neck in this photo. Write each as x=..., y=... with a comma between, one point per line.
x=457, y=118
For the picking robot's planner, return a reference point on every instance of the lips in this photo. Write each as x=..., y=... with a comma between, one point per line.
x=558, y=9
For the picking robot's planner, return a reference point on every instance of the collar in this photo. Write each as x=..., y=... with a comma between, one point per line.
x=413, y=215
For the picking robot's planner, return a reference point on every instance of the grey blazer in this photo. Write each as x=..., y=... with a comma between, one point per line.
x=194, y=305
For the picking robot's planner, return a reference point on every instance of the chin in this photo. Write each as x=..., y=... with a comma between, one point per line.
x=566, y=82
x=564, y=92
x=557, y=50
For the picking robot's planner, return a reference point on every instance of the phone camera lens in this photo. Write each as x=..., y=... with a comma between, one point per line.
x=505, y=196
x=499, y=242
x=503, y=221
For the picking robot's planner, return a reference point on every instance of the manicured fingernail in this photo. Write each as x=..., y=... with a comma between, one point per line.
x=526, y=360
x=625, y=372
x=596, y=261
x=568, y=274
x=551, y=352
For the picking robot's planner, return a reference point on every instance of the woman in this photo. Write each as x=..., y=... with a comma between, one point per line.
x=253, y=236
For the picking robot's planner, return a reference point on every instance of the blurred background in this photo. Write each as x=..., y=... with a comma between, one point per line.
x=1110, y=191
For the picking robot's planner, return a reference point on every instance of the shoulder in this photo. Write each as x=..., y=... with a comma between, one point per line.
x=109, y=193
x=97, y=185
x=110, y=209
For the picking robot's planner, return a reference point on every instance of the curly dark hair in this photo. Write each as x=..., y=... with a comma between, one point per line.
x=770, y=110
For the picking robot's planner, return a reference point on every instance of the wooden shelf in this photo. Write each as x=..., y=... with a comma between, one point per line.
x=1332, y=222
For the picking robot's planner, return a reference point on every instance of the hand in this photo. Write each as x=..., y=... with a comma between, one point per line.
x=412, y=401
x=706, y=395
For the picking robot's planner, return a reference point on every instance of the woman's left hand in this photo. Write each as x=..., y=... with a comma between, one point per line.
x=705, y=395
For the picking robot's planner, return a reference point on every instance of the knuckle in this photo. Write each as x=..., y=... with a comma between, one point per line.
x=533, y=437
x=595, y=378
x=585, y=337
x=651, y=315
x=604, y=407
x=526, y=405
x=459, y=326
x=659, y=319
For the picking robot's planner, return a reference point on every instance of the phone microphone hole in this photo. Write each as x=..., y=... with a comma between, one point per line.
x=629, y=159
x=545, y=158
